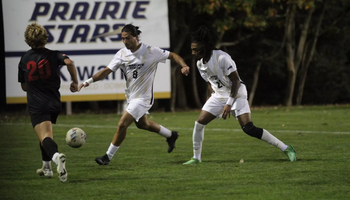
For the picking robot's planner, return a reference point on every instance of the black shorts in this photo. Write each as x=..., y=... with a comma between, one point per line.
x=43, y=110
x=37, y=118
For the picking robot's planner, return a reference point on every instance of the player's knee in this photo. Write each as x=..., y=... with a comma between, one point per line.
x=198, y=126
x=143, y=126
x=252, y=130
x=122, y=126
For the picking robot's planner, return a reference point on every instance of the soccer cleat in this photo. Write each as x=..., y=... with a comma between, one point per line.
x=104, y=160
x=61, y=167
x=290, y=152
x=171, y=141
x=192, y=161
x=44, y=172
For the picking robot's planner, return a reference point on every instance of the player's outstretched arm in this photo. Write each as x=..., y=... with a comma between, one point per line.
x=96, y=77
x=73, y=73
x=174, y=57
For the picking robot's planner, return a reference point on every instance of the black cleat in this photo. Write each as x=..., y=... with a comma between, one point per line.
x=171, y=141
x=104, y=160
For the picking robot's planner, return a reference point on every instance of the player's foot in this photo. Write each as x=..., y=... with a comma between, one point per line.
x=44, y=172
x=171, y=141
x=61, y=167
x=104, y=160
x=192, y=161
x=290, y=152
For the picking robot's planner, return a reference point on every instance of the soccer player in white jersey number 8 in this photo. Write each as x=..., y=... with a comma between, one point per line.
x=138, y=62
x=229, y=95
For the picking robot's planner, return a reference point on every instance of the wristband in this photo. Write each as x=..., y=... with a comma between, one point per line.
x=230, y=101
x=89, y=81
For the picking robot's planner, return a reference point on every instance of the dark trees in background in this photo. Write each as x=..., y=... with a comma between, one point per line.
x=287, y=52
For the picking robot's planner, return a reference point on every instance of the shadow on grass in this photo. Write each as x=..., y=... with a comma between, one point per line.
x=234, y=161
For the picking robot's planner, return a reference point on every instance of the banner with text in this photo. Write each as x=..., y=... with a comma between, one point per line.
x=88, y=32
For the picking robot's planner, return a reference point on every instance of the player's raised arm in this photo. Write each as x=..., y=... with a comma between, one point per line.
x=96, y=77
x=185, y=69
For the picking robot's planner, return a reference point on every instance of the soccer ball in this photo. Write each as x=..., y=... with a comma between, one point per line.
x=75, y=137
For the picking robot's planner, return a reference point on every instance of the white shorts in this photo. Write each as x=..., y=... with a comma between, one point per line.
x=138, y=108
x=215, y=104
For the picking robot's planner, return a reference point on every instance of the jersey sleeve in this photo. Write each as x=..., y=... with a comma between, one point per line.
x=115, y=62
x=202, y=72
x=61, y=57
x=160, y=55
x=227, y=64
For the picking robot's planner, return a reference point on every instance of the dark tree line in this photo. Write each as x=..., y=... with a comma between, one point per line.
x=293, y=52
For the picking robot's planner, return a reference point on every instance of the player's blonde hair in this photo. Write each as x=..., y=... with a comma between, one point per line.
x=36, y=36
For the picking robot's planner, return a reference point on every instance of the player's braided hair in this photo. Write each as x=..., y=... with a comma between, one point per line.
x=203, y=36
x=133, y=30
x=35, y=36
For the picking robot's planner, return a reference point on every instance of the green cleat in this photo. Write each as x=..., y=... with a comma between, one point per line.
x=192, y=161
x=290, y=152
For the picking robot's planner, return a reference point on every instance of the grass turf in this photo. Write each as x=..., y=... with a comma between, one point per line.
x=142, y=168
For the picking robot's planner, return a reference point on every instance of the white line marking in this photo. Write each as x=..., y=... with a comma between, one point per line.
x=176, y=128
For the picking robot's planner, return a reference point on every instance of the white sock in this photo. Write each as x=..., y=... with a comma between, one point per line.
x=54, y=158
x=198, y=137
x=111, y=151
x=164, y=132
x=46, y=164
x=268, y=137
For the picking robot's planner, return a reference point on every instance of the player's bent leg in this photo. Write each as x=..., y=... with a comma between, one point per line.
x=144, y=124
x=59, y=158
x=263, y=134
x=117, y=140
x=153, y=126
x=253, y=131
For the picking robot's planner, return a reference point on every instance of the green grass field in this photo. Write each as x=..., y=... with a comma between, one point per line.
x=142, y=168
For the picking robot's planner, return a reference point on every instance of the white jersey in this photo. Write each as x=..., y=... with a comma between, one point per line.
x=216, y=72
x=139, y=69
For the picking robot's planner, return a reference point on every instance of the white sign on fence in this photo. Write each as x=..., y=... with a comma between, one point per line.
x=88, y=32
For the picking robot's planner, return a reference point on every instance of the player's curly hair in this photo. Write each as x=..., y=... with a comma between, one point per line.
x=133, y=30
x=203, y=36
x=36, y=36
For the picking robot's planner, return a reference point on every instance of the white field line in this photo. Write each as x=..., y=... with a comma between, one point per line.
x=174, y=128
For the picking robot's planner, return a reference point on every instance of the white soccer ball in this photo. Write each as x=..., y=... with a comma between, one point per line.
x=75, y=137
